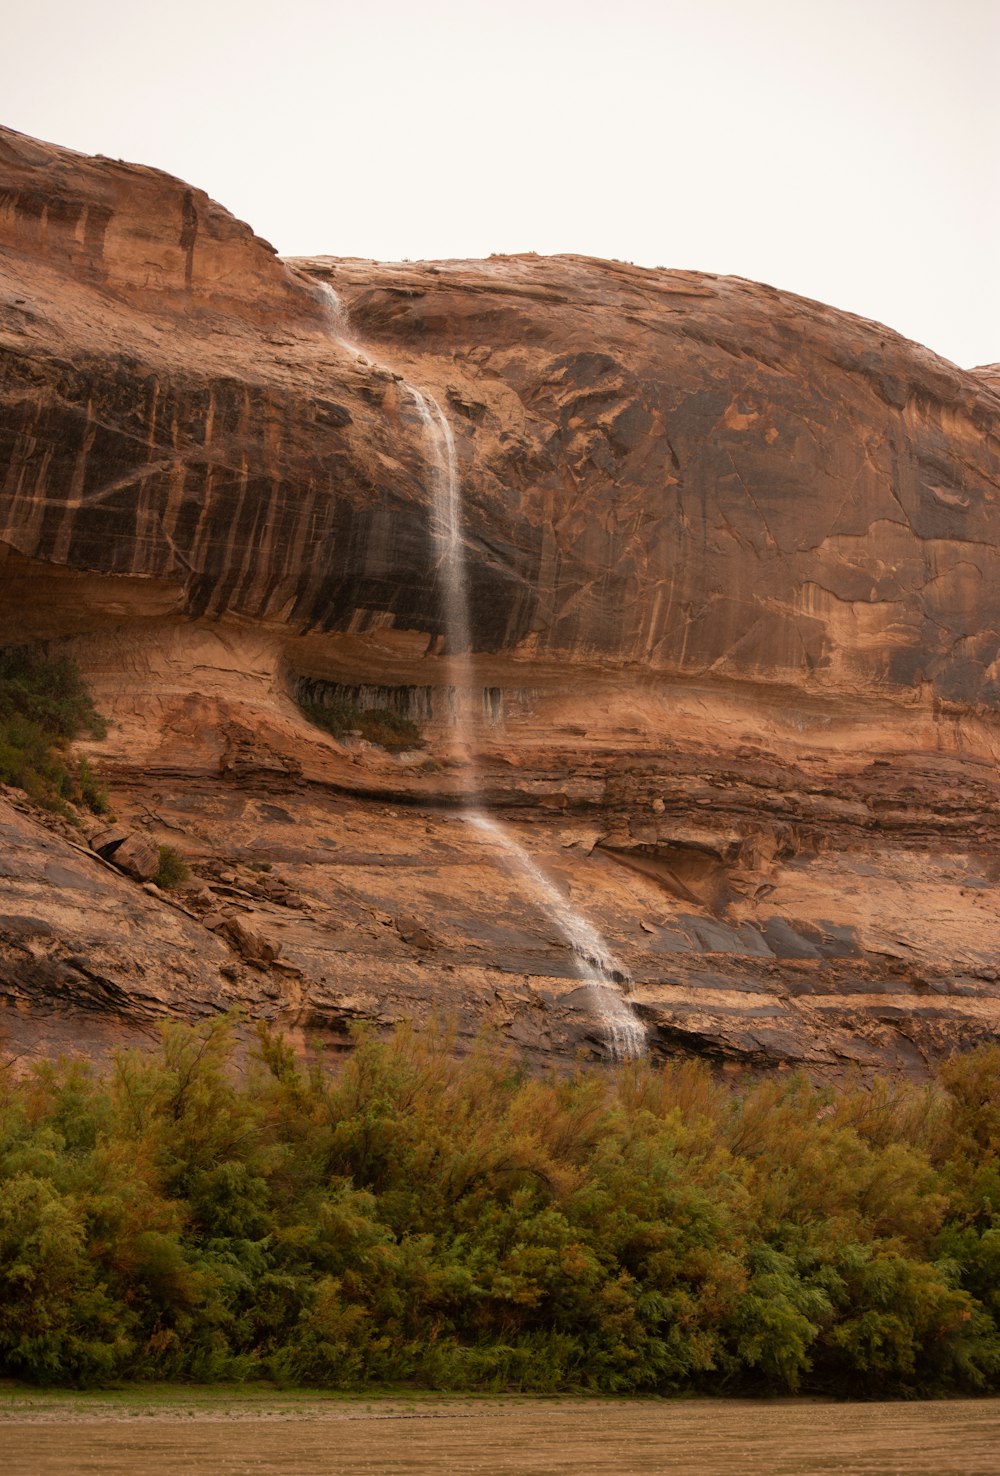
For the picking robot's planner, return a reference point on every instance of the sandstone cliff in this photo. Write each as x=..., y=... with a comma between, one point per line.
x=734, y=562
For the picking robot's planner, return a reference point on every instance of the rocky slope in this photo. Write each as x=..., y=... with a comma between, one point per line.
x=734, y=565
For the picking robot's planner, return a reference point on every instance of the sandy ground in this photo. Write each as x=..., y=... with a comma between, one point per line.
x=270, y=1435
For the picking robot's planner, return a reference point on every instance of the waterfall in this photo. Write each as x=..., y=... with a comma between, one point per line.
x=336, y=315
x=446, y=534
x=593, y=960
x=594, y=963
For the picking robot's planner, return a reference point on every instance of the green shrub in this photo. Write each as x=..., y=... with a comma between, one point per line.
x=378, y=725
x=43, y=705
x=173, y=870
x=48, y=691
x=198, y=1214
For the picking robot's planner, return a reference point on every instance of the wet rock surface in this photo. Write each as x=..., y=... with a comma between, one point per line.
x=734, y=561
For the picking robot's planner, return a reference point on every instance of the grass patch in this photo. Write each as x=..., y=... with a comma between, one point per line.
x=378, y=725
x=44, y=704
x=173, y=870
x=149, y=1397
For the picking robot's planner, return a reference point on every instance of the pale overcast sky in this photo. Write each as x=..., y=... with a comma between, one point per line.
x=845, y=149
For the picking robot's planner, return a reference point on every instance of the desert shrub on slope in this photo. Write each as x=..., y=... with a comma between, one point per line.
x=43, y=705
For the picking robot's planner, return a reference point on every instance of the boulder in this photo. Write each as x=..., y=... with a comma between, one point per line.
x=138, y=856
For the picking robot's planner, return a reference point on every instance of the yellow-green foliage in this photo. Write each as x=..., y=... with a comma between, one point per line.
x=459, y=1224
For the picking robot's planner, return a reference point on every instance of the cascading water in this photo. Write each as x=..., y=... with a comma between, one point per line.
x=446, y=532
x=594, y=963
x=336, y=317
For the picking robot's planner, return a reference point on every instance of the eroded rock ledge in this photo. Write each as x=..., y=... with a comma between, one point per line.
x=734, y=564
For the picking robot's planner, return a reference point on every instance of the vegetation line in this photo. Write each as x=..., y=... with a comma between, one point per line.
x=418, y=1220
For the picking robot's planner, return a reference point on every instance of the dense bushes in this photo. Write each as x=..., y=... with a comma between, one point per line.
x=44, y=704
x=461, y=1225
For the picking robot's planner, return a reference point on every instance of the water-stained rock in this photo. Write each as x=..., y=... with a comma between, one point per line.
x=735, y=596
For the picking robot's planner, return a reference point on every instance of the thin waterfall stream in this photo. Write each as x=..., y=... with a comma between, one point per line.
x=594, y=963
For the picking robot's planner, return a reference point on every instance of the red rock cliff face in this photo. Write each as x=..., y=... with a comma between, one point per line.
x=733, y=560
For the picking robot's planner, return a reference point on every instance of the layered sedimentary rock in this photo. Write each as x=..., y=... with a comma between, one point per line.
x=733, y=560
